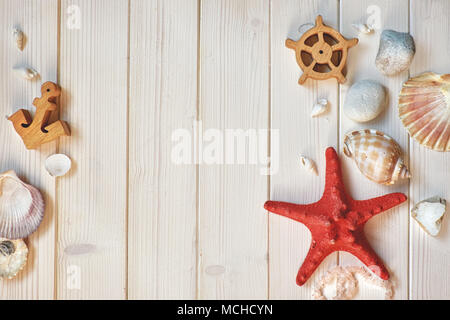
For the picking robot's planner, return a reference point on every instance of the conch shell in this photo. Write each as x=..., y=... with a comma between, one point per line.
x=21, y=207
x=424, y=108
x=376, y=155
x=309, y=165
x=13, y=256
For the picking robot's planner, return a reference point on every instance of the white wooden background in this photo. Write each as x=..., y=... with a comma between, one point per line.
x=130, y=224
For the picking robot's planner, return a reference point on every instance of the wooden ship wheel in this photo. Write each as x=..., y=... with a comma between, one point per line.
x=321, y=52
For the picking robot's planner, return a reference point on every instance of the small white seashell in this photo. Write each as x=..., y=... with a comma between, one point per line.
x=365, y=100
x=19, y=38
x=58, y=165
x=362, y=28
x=309, y=165
x=26, y=73
x=21, y=207
x=319, y=108
x=429, y=214
x=13, y=256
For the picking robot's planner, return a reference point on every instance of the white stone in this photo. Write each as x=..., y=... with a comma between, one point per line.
x=365, y=100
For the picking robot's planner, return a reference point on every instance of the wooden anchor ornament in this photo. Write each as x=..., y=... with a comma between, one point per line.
x=321, y=52
x=37, y=131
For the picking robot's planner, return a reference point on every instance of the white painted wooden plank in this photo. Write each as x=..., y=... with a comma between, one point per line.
x=162, y=195
x=39, y=21
x=92, y=198
x=234, y=68
x=299, y=134
x=430, y=256
x=388, y=232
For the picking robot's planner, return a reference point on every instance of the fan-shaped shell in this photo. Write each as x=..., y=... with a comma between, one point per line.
x=376, y=155
x=424, y=108
x=13, y=256
x=21, y=207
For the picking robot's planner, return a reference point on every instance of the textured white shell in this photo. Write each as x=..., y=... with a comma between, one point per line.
x=365, y=100
x=376, y=155
x=429, y=214
x=58, y=165
x=21, y=207
x=319, y=108
x=12, y=262
x=19, y=38
x=424, y=108
x=26, y=73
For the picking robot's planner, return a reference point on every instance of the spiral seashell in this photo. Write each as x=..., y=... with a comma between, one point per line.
x=376, y=155
x=13, y=256
x=21, y=207
x=309, y=165
x=424, y=108
x=19, y=38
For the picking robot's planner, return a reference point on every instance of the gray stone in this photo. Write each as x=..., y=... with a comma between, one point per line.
x=396, y=52
x=365, y=100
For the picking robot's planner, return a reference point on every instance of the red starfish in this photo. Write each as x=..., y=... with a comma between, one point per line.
x=337, y=222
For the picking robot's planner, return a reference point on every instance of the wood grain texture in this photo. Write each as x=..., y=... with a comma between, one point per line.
x=299, y=134
x=430, y=256
x=388, y=232
x=38, y=20
x=162, y=245
x=92, y=199
x=234, y=90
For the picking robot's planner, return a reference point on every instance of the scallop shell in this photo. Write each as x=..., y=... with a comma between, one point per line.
x=319, y=108
x=376, y=155
x=13, y=256
x=21, y=207
x=19, y=38
x=424, y=108
x=26, y=73
x=58, y=165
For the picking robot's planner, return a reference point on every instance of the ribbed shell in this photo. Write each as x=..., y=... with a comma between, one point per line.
x=424, y=108
x=376, y=155
x=21, y=207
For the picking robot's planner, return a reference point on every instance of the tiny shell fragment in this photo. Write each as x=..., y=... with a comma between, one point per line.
x=362, y=28
x=429, y=214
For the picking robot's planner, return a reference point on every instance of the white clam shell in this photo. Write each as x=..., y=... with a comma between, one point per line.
x=429, y=214
x=21, y=207
x=365, y=100
x=26, y=73
x=58, y=165
x=309, y=165
x=19, y=38
x=13, y=257
x=377, y=156
x=319, y=108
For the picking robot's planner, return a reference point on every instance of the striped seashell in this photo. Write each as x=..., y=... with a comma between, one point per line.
x=424, y=108
x=376, y=155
